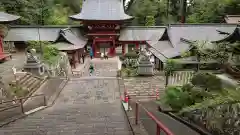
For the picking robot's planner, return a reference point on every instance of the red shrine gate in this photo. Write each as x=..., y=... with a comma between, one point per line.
x=103, y=36
x=104, y=45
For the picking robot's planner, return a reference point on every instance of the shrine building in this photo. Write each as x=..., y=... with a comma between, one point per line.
x=103, y=26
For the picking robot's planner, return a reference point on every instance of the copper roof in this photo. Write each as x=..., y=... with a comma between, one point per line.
x=69, y=36
x=141, y=33
x=232, y=19
x=110, y=10
x=190, y=33
x=32, y=34
x=5, y=17
x=63, y=46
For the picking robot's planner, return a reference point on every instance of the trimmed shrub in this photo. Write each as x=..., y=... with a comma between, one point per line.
x=131, y=55
x=207, y=81
x=177, y=98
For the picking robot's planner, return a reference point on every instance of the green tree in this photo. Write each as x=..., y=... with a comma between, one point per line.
x=150, y=21
x=212, y=11
x=45, y=12
x=141, y=9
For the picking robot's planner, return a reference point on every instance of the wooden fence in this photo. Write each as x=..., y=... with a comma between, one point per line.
x=180, y=77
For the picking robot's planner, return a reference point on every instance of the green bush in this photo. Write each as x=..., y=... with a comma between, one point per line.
x=122, y=58
x=129, y=72
x=207, y=81
x=19, y=92
x=132, y=55
x=50, y=54
x=170, y=67
x=177, y=98
x=37, y=45
x=130, y=63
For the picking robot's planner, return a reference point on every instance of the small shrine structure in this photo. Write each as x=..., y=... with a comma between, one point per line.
x=5, y=19
x=71, y=44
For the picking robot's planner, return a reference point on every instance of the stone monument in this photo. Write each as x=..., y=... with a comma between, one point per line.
x=33, y=64
x=145, y=67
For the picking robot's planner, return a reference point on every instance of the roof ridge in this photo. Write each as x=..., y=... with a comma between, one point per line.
x=232, y=15
x=202, y=24
x=144, y=27
x=45, y=26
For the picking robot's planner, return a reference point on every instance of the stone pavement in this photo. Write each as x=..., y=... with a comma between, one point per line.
x=107, y=68
x=85, y=107
x=18, y=60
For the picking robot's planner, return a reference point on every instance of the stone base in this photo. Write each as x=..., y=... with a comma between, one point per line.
x=145, y=70
x=36, y=71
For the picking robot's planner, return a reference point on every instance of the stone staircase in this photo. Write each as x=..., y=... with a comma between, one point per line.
x=140, y=94
x=145, y=88
x=28, y=81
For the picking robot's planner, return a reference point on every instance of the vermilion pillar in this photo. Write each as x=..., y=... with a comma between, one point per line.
x=123, y=49
x=114, y=48
x=137, y=46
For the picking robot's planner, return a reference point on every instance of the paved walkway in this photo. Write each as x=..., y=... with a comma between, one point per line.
x=18, y=60
x=85, y=107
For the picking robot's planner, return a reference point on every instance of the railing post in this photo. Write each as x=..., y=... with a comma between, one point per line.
x=21, y=103
x=136, y=113
x=44, y=99
x=158, y=130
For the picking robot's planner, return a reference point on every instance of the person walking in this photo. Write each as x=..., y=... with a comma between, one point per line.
x=91, y=69
x=91, y=53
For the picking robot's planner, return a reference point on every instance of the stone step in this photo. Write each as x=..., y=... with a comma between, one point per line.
x=24, y=79
x=35, y=85
x=20, y=77
x=29, y=81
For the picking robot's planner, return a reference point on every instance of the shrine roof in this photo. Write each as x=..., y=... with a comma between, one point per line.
x=32, y=34
x=5, y=17
x=232, y=19
x=159, y=55
x=194, y=32
x=181, y=35
x=63, y=46
x=76, y=40
x=193, y=60
x=29, y=33
x=107, y=10
x=141, y=33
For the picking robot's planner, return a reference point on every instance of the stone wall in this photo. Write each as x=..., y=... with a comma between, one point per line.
x=145, y=84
